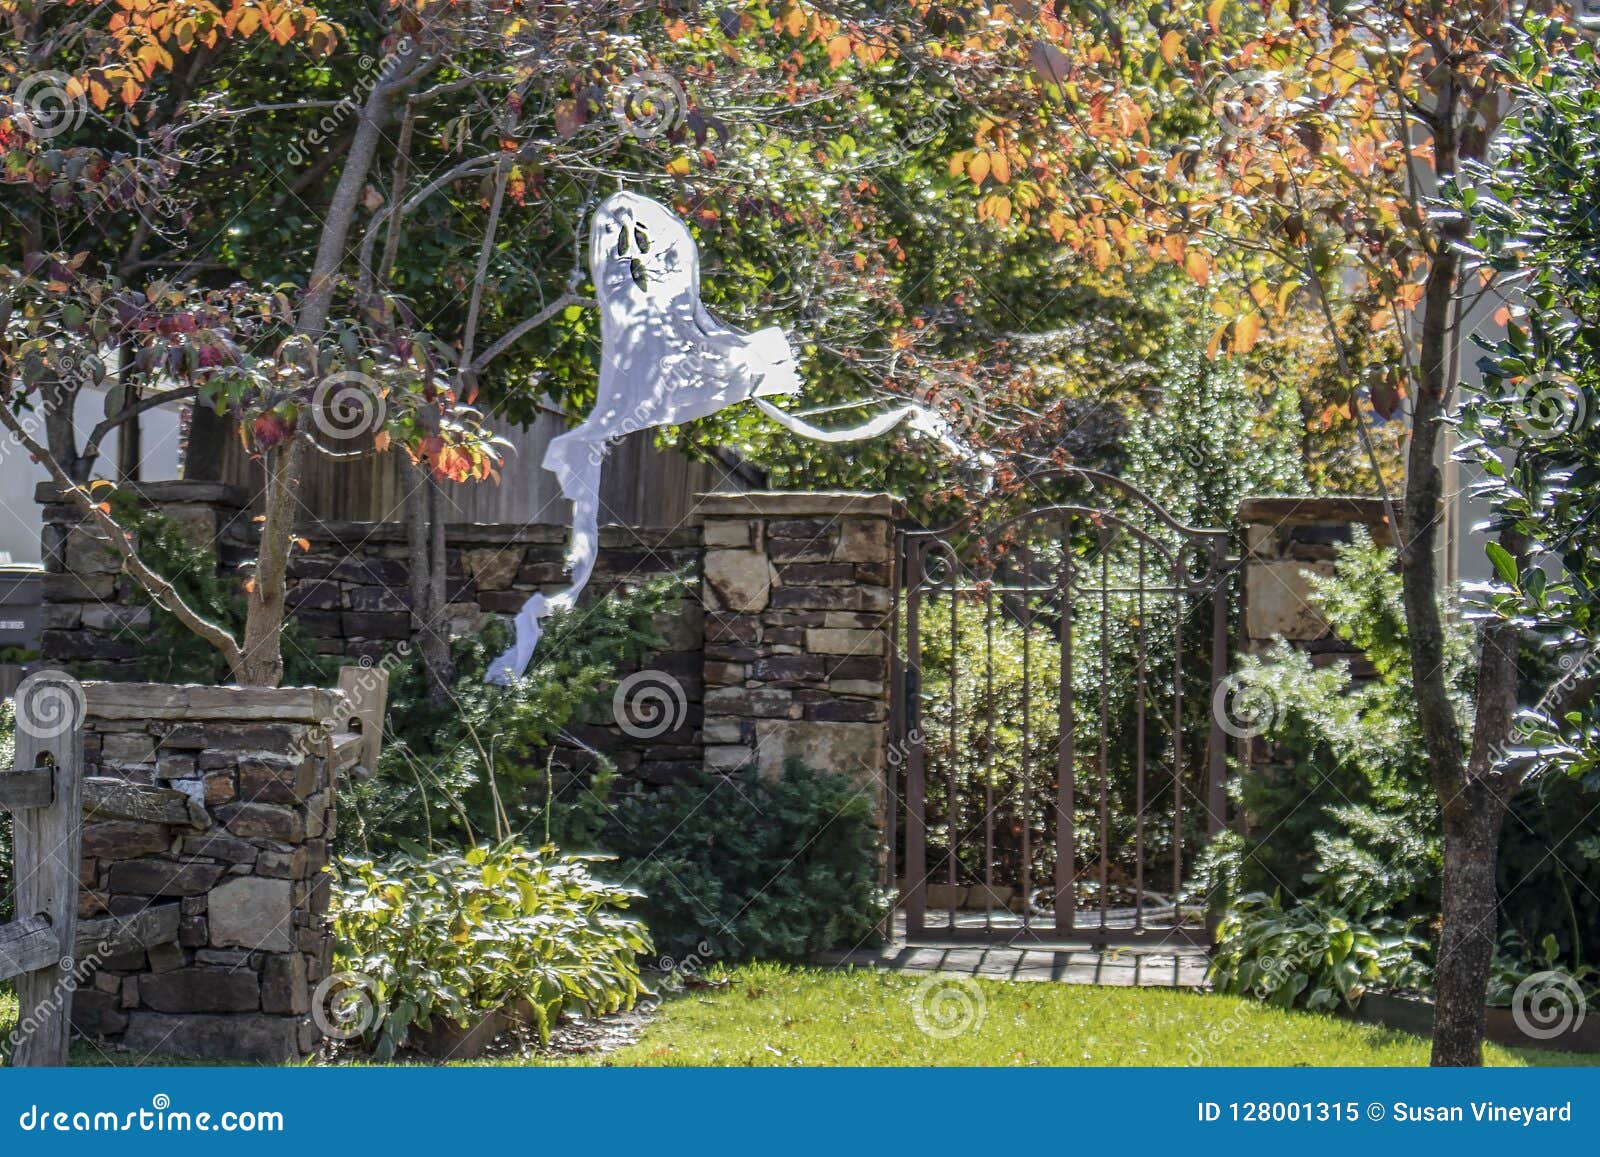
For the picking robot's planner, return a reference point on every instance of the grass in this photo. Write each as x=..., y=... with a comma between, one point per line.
x=772, y=1015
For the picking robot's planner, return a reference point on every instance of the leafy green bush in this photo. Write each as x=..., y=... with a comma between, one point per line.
x=476, y=764
x=1344, y=813
x=1515, y=963
x=1312, y=956
x=1344, y=817
x=741, y=867
x=453, y=937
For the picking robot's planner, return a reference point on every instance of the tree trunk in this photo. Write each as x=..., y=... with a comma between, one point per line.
x=1466, y=939
x=428, y=563
x=1471, y=794
x=261, y=661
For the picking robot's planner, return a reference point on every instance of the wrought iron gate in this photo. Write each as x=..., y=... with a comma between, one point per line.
x=1059, y=763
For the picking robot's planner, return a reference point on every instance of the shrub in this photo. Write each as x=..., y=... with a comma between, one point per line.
x=453, y=772
x=453, y=937
x=1312, y=956
x=1344, y=813
x=742, y=867
x=1344, y=818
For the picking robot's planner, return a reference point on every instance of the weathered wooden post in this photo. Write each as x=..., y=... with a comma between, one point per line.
x=44, y=793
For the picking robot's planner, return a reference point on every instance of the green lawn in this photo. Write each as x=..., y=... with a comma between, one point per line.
x=771, y=1015
x=774, y=1015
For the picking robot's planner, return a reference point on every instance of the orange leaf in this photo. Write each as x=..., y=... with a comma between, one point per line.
x=1247, y=331
x=304, y=544
x=978, y=167
x=1197, y=264
x=999, y=167
x=793, y=20
x=1214, y=12
x=1171, y=46
x=838, y=50
x=1175, y=244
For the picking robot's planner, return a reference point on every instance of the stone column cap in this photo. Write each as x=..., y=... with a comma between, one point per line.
x=1300, y=510
x=195, y=702
x=799, y=504
x=176, y=490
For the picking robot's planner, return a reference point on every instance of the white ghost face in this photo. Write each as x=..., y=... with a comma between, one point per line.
x=641, y=257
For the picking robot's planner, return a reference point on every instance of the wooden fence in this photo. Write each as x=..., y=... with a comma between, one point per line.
x=46, y=949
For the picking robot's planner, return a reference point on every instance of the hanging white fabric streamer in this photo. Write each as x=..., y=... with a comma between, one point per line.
x=664, y=360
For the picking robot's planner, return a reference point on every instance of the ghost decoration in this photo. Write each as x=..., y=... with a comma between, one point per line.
x=664, y=360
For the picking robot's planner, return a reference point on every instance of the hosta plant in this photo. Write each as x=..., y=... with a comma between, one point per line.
x=1312, y=956
x=451, y=938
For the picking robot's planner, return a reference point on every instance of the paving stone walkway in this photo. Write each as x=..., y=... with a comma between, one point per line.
x=1153, y=966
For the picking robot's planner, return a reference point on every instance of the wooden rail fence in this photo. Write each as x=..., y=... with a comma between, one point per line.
x=44, y=948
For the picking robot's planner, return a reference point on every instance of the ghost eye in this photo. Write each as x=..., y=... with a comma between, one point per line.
x=622, y=243
x=641, y=238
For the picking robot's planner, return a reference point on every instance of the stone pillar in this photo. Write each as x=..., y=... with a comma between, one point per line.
x=1285, y=540
x=240, y=865
x=798, y=614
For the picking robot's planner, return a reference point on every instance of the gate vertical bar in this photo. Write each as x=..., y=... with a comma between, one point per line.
x=1139, y=757
x=1216, y=793
x=1025, y=768
x=1179, y=582
x=1066, y=826
x=916, y=767
x=988, y=758
x=952, y=802
x=1104, y=850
